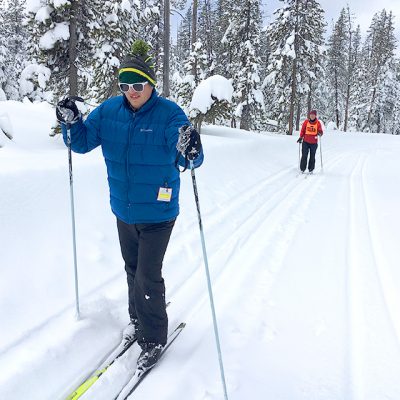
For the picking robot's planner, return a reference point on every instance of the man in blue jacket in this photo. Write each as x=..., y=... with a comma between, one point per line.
x=139, y=134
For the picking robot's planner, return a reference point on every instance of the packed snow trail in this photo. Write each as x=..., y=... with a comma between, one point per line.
x=304, y=273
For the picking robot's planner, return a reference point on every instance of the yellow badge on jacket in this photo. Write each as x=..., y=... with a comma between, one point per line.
x=164, y=194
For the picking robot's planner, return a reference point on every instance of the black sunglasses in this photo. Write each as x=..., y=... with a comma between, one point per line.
x=137, y=87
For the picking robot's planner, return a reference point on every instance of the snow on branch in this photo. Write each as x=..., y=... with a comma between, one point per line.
x=33, y=82
x=211, y=100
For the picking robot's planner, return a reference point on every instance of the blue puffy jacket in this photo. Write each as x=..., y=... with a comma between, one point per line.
x=139, y=148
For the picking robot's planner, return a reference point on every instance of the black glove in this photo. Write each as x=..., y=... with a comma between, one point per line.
x=67, y=112
x=319, y=133
x=189, y=143
x=300, y=140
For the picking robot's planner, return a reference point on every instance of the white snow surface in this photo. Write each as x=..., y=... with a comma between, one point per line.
x=210, y=89
x=304, y=271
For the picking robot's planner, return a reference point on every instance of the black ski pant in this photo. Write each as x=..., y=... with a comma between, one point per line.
x=143, y=247
x=308, y=147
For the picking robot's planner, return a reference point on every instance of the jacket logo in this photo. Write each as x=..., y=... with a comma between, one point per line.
x=146, y=130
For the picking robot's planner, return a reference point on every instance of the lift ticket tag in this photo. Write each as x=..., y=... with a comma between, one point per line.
x=164, y=194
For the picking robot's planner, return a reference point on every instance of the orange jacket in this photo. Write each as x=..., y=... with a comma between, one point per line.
x=310, y=130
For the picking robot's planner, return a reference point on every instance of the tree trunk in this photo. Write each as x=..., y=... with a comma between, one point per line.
x=167, y=28
x=349, y=75
x=298, y=115
x=292, y=98
x=371, y=106
x=309, y=100
x=73, y=42
x=294, y=74
x=194, y=37
x=245, y=119
x=347, y=105
x=337, y=116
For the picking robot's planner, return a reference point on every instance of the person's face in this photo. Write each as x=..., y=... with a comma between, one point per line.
x=312, y=117
x=138, y=97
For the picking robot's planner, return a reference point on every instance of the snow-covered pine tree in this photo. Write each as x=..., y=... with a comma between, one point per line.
x=3, y=53
x=197, y=66
x=206, y=33
x=223, y=51
x=59, y=41
x=188, y=82
x=296, y=39
x=337, y=66
x=314, y=53
x=151, y=29
x=111, y=34
x=394, y=127
x=183, y=40
x=14, y=38
x=387, y=100
x=242, y=38
x=379, y=48
x=357, y=99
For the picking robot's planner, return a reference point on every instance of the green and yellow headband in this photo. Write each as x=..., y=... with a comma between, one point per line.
x=134, y=75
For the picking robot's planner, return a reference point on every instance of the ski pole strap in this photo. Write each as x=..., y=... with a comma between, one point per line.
x=177, y=162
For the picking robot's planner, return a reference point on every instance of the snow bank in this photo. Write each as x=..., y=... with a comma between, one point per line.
x=41, y=117
x=324, y=322
x=331, y=126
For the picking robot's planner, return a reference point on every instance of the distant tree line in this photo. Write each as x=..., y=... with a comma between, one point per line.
x=279, y=71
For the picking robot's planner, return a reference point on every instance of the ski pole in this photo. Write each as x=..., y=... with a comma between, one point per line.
x=210, y=293
x=320, y=153
x=71, y=190
x=299, y=156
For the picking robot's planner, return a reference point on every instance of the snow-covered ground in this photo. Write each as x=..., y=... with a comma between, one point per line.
x=305, y=271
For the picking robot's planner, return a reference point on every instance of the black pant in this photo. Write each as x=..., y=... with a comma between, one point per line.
x=143, y=247
x=308, y=147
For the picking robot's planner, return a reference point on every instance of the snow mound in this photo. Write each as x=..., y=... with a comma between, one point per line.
x=29, y=124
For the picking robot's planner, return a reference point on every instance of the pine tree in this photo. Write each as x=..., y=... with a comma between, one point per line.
x=111, y=35
x=296, y=39
x=394, y=122
x=3, y=54
x=337, y=66
x=183, y=42
x=380, y=45
x=358, y=73
x=151, y=29
x=186, y=85
x=13, y=41
x=206, y=33
x=242, y=39
x=223, y=51
x=59, y=42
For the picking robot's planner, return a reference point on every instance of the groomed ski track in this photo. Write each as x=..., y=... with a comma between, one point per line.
x=304, y=278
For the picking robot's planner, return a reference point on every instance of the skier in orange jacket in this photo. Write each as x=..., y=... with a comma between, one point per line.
x=309, y=133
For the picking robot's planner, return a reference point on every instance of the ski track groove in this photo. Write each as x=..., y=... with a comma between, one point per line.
x=360, y=292
x=273, y=205
x=277, y=208
x=383, y=280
